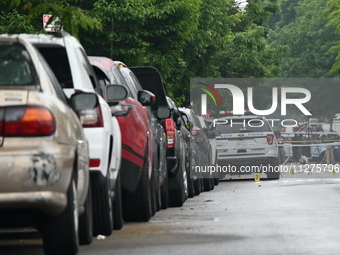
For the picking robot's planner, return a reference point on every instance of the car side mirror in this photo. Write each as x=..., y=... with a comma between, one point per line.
x=163, y=112
x=84, y=101
x=115, y=93
x=146, y=98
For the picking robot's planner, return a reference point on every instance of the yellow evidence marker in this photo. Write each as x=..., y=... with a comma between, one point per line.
x=257, y=177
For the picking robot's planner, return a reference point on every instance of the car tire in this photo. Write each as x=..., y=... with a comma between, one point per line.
x=197, y=186
x=212, y=183
x=102, y=209
x=177, y=196
x=216, y=181
x=274, y=175
x=60, y=233
x=86, y=221
x=153, y=193
x=206, y=184
x=165, y=193
x=117, y=206
x=191, y=188
x=137, y=205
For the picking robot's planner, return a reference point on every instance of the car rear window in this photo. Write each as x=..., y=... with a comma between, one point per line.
x=16, y=67
x=227, y=126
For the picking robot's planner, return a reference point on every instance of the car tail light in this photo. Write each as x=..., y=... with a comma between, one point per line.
x=170, y=132
x=91, y=117
x=270, y=139
x=94, y=163
x=195, y=132
x=1, y=120
x=27, y=121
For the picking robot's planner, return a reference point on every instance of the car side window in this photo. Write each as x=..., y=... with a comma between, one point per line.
x=89, y=70
x=56, y=85
x=133, y=89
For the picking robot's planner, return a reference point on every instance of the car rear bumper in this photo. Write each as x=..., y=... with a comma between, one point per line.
x=49, y=202
x=36, y=176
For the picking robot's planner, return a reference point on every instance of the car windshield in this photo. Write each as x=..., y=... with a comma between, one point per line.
x=227, y=126
x=16, y=66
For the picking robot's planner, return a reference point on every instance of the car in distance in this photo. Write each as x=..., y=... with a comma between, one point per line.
x=246, y=144
x=44, y=154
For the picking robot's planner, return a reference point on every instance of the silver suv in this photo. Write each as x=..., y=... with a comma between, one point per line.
x=246, y=145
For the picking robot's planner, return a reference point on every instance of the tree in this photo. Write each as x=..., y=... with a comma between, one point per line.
x=25, y=16
x=307, y=39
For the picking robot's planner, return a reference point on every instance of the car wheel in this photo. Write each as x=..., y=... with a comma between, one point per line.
x=137, y=205
x=165, y=193
x=191, y=189
x=212, y=183
x=274, y=175
x=216, y=181
x=206, y=184
x=117, y=207
x=85, y=220
x=153, y=193
x=60, y=233
x=102, y=209
x=197, y=186
x=177, y=196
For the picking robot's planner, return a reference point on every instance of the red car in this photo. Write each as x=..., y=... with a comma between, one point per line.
x=137, y=177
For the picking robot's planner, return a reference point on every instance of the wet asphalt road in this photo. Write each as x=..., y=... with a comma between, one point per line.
x=298, y=214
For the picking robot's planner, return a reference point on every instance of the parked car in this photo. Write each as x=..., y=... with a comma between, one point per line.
x=212, y=139
x=208, y=143
x=68, y=60
x=44, y=153
x=246, y=145
x=185, y=133
x=174, y=189
x=199, y=151
x=143, y=141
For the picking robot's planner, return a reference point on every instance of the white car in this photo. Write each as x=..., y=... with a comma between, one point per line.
x=44, y=154
x=246, y=145
x=68, y=60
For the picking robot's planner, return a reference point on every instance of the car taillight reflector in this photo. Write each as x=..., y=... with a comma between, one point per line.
x=270, y=139
x=28, y=121
x=1, y=120
x=170, y=132
x=91, y=117
x=94, y=162
x=195, y=132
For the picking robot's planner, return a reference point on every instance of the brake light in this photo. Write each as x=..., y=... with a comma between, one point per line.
x=170, y=132
x=195, y=132
x=270, y=139
x=94, y=163
x=91, y=117
x=27, y=121
x=1, y=121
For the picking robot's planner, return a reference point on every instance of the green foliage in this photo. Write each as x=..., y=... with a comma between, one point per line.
x=334, y=21
x=306, y=38
x=30, y=16
x=181, y=38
